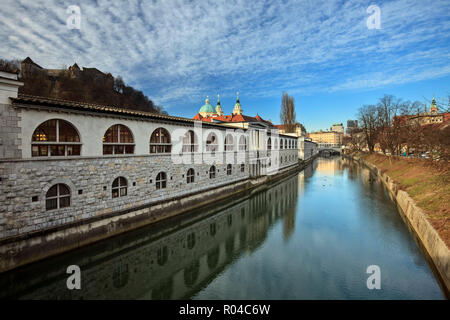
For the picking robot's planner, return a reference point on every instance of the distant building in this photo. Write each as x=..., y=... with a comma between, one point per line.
x=299, y=129
x=337, y=127
x=208, y=113
x=28, y=67
x=352, y=125
x=327, y=137
x=430, y=117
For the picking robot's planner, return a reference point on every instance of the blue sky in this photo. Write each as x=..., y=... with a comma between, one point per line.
x=177, y=52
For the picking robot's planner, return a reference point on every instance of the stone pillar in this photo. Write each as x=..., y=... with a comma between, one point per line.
x=9, y=117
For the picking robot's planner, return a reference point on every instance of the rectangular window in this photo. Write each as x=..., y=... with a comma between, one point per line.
x=107, y=149
x=51, y=204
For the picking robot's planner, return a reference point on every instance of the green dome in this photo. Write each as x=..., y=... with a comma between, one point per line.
x=207, y=107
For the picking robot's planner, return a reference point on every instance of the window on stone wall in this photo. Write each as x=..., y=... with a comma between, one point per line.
x=211, y=142
x=281, y=143
x=190, y=176
x=161, y=180
x=212, y=172
x=57, y=197
x=229, y=145
x=119, y=187
x=55, y=138
x=190, y=142
x=242, y=167
x=229, y=169
x=118, y=140
x=269, y=144
x=242, y=143
x=160, y=141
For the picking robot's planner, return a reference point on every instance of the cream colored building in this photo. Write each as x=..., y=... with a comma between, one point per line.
x=329, y=137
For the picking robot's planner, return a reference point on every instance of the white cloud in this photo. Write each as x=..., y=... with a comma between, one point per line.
x=179, y=50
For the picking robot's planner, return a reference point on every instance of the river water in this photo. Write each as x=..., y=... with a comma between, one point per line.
x=310, y=236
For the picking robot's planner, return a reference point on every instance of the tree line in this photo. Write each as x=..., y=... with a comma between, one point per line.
x=390, y=127
x=90, y=87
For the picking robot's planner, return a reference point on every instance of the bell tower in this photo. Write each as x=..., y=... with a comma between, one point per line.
x=237, y=107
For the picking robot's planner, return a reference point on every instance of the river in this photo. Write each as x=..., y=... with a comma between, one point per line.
x=310, y=236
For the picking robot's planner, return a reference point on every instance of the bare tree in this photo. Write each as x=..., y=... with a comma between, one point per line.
x=287, y=113
x=369, y=125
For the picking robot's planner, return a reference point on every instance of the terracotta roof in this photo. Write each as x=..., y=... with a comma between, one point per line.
x=237, y=118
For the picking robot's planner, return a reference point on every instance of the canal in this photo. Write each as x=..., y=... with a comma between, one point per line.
x=309, y=236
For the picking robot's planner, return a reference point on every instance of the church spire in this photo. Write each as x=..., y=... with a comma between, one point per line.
x=237, y=107
x=433, y=107
x=219, y=110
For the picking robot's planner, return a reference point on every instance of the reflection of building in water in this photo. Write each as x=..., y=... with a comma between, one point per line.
x=164, y=263
x=291, y=209
x=328, y=166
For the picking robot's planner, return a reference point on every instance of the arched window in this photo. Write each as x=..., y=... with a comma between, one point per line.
x=161, y=180
x=118, y=140
x=211, y=142
x=57, y=197
x=55, y=138
x=190, y=142
x=212, y=172
x=229, y=169
x=242, y=167
x=190, y=176
x=269, y=144
x=160, y=141
x=229, y=145
x=281, y=143
x=242, y=143
x=119, y=187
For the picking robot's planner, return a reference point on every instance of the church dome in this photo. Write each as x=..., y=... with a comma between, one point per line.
x=207, y=107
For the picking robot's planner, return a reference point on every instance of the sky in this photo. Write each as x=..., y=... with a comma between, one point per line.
x=178, y=52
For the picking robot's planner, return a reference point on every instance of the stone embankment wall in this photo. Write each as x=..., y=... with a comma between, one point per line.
x=428, y=236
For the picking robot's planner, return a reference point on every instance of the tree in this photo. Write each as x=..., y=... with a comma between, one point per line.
x=369, y=125
x=287, y=113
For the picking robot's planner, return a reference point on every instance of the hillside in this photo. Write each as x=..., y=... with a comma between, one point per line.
x=78, y=84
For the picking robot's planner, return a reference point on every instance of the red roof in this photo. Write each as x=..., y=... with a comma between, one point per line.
x=446, y=116
x=232, y=118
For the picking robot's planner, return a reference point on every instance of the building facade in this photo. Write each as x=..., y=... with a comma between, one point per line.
x=70, y=168
x=331, y=138
x=337, y=127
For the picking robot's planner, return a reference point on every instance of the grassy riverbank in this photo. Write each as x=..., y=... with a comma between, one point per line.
x=428, y=186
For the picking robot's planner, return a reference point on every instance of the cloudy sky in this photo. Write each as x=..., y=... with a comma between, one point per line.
x=177, y=52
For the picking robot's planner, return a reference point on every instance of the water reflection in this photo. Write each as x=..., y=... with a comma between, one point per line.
x=309, y=236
